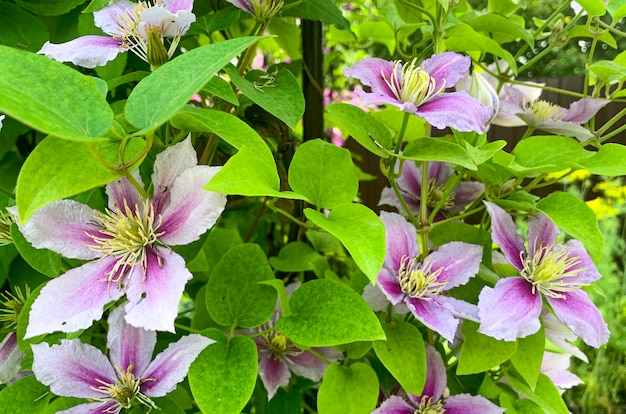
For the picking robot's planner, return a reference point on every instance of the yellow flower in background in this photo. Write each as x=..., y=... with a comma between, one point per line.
x=603, y=208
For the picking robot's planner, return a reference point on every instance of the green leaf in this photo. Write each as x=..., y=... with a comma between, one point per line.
x=324, y=174
x=217, y=243
x=404, y=355
x=463, y=38
x=298, y=257
x=377, y=31
x=51, y=97
x=234, y=295
x=563, y=153
x=44, y=261
x=352, y=389
x=223, y=376
x=496, y=23
x=159, y=95
x=222, y=89
x=593, y=7
x=327, y=313
x=58, y=168
x=545, y=395
x=26, y=396
x=20, y=29
x=576, y=218
x=480, y=353
x=361, y=232
x=325, y=11
x=528, y=357
x=220, y=20
x=437, y=149
x=278, y=93
x=584, y=31
x=361, y=126
x=49, y=7
x=609, y=160
x=95, y=5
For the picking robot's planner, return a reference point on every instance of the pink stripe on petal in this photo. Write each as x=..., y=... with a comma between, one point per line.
x=92, y=408
x=410, y=179
x=176, y=5
x=171, y=366
x=72, y=368
x=466, y=193
x=460, y=262
x=582, y=317
x=542, y=232
x=510, y=310
x=121, y=192
x=274, y=373
x=86, y=51
x=73, y=300
x=242, y=4
x=153, y=299
x=10, y=358
x=129, y=345
x=470, y=404
x=168, y=166
x=400, y=239
x=369, y=72
x=394, y=405
x=434, y=316
x=191, y=210
x=457, y=110
x=62, y=227
x=436, y=377
x=448, y=66
x=504, y=233
x=390, y=286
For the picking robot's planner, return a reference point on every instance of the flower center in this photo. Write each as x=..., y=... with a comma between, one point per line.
x=277, y=343
x=265, y=9
x=410, y=83
x=125, y=388
x=5, y=229
x=426, y=406
x=12, y=305
x=436, y=193
x=549, y=269
x=417, y=280
x=125, y=236
x=542, y=110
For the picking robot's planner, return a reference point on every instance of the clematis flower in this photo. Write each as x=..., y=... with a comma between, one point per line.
x=560, y=335
x=410, y=184
x=140, y=27
x=432, y=399
x=556, y=367
x=262, y=10
x=279, y=358
x=420, y=286
x=128, y=375
x=549, y=117
x=417, y=89
x=10, y=358
x=555, y=271
x=130, y=239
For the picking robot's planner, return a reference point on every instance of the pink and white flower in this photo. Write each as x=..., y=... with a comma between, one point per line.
x=130, y=241
x=139, y=27
x=129, y=374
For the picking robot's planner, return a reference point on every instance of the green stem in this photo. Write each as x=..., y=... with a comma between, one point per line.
x=424, y=222
x=186, y=328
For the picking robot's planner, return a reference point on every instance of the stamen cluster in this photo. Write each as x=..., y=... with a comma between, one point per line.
x=426, y=406
x=123, y=390
x=547, y=269
x=542, y=110
x=410, y=83
x=436, y=193
x=417, y=280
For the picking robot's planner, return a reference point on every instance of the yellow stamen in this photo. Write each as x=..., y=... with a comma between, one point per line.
x=265, y=9
x=6, y=221
x=410, y=83
x=123, y=390
x=13, y=305
x=436, y=192
x=426, y=406
x=542, y=110
x=417, y=280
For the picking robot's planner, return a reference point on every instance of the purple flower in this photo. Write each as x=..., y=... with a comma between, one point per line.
x=555, y=271
x=131, y=241
x=75, y=369
x=10, y=358
x=262, y=10
x=417, y=90
x=279, y=357
x=419, y=287
x=410, y=184
x=546, y=116
x=432, y=400
x=139, y=27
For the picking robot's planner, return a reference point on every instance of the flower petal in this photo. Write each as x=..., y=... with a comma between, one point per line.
x=588, y=271
x=458, y=307
x=171, y=366
x=107, y=18
x=73, y=300
x=560, y=335
x=457, y=110
x=510, y=310
x=122, y=193
x=307, y=365
x=93, y=408
x=504, y=233
x=62, y=227
x=191, y=210
x=274, y=373
x=542, y=232
x=582, y=317
x=177, y=5
x=72, y=369
x=470, y=404
x=10, y=358
x=434, y=315
x=582, y=110
x=170, y=24
x=129, y=345
x=390, y=286
x=400, y=239
x=447, y=68
x=242, y=4
x=568, y=129
x=556, y=367
x=370, y=72
x=168, y=166
x=410, y=179
x=153, y=298
x=388, y=197
x=465, y=193
x=436, y=377
x=86, y=51
x=394, y=405
x=457, y=268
